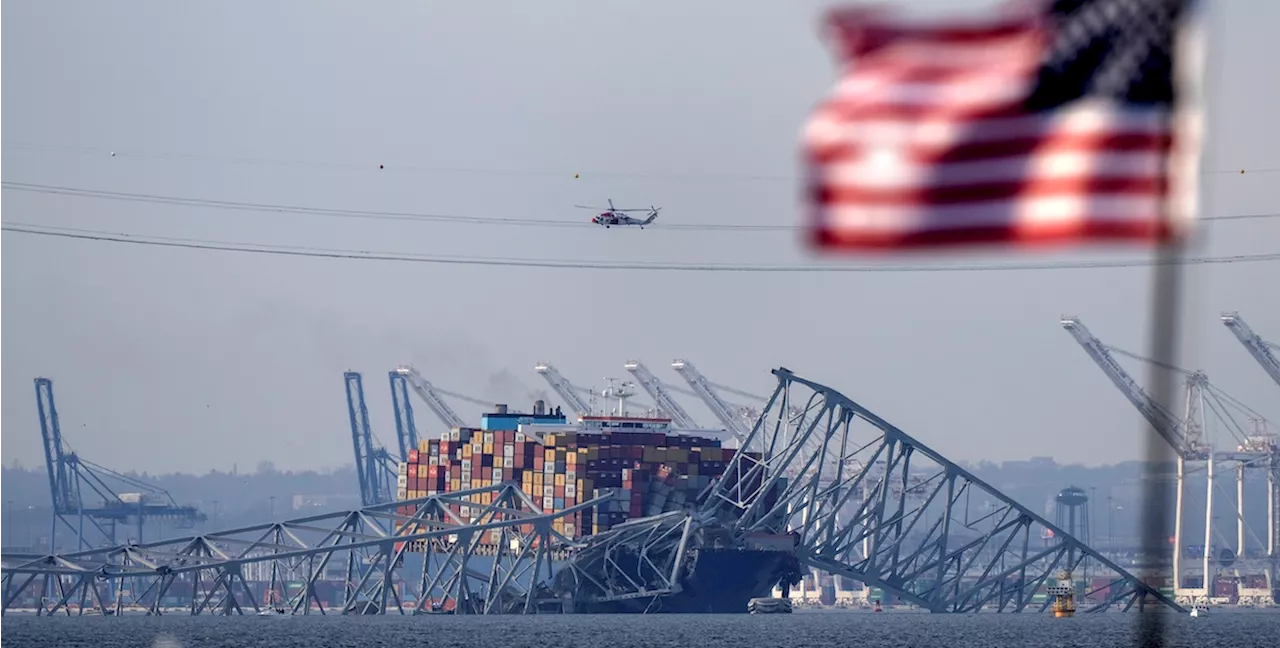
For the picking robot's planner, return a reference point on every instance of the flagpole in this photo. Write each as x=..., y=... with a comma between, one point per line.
x=1166, y=319
x=1164, y=338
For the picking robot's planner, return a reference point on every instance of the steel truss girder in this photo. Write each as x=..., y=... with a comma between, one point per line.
x=643, y=558
x=873, y=504
x=496, y=561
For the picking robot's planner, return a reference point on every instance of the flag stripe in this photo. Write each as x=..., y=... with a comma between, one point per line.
x=836, y=196
x=1145, y=229
x=996, y=213
x=829, y=128
x=928, y=140
x=925, y=61
x=872, y=155
x=860, y=30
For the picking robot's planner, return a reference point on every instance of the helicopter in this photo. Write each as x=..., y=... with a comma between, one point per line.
x=614, y=216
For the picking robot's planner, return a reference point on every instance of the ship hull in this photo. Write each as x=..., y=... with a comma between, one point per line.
x=723, y=581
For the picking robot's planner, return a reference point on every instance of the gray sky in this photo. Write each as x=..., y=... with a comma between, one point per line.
x=185, y=360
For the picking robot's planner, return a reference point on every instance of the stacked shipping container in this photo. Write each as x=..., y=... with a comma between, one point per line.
x=650, y=472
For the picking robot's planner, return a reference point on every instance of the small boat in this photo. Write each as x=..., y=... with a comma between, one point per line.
x=272, y=608
x=769, y=605
x=1199, y=611
x=1064, y=596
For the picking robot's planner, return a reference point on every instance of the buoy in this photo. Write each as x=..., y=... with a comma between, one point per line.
x=575, y=176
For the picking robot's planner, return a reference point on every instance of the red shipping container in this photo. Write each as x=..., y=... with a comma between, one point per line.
x=413, y=456
x=413, y=470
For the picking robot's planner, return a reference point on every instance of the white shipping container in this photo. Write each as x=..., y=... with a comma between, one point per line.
x=402, y=481
x=401, y=494
x=570, y=490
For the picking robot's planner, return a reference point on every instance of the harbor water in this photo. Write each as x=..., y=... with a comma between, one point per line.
x=800, y=630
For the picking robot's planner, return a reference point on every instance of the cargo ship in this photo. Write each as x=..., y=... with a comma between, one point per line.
x=652, y=468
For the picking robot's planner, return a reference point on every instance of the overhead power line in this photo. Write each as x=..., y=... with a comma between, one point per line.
x=328, y=253
x=234, y=205
x=356, y=213
x=382, y=166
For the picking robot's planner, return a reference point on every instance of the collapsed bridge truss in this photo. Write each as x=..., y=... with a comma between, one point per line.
x=875, y=505
x=496, y=557
x=857, y=497
x=863, y=500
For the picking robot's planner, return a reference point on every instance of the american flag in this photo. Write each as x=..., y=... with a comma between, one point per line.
x=1038, y=122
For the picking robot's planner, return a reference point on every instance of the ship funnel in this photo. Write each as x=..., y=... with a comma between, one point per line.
x=500, y=408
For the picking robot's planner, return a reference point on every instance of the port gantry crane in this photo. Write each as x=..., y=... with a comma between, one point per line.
x=658, y=391
x=375, y=467
x=406, y=429
x=1188, y=439
x=564, y=389
x=432, y=395
x=1261, y=351
x=72, y=479
x=737, y=420
x=571, y=394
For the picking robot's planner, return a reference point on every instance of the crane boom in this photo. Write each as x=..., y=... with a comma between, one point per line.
x=60, y=485
x=1165, y=423
x=374, y=487
x=406, y=429
x=702, y=388
x=563, y=388
x=1259, y=348
x=431, y=397
x=658, y=392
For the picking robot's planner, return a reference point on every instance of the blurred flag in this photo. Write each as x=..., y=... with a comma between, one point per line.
x=1038, y=122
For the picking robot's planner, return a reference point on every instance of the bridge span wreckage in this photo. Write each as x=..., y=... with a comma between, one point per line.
x=835, y=488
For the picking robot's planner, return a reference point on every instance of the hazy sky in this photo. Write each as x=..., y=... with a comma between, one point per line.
x=189, y=360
